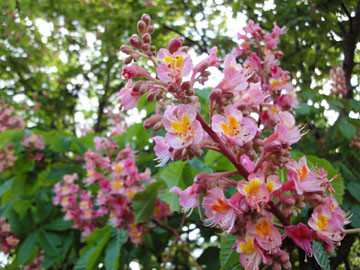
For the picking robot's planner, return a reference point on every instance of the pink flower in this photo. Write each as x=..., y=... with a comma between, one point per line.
x=302, y=236
x=302, y=177
x=236, y=128
x=182, y=127
x=265, y=233
x=174, y=67
x=219, y=210
x=161, y=149
x=189, y=198
x=255, y=191
x=251, y=254
x=34, y=141
x=129, y=98
x=234, y=79
x=328, y=220
x=252, y=97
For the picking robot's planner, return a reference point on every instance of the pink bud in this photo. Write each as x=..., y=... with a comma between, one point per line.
x=146, y=18
x=186, y=85
x=146, y=47
x=136, y=41
x=128, y=60
x=273, y=147
x=215, y=94
x=152, y=120
x=126, y=49
x=133, y=71
x=174, y=44
x=151, y=29
x=146, y=38
x=141, y=27
x=150, y=97
x=173, y=88
x=288, y=200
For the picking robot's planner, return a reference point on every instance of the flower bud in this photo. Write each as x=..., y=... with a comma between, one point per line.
x=146, y=19
x=128, y=60
x=152, y=120
x=174, y=45
x=136, y=87
x=173, y=88
x=272, y=147
x=152, y=48
x=146, y=47
x=186, y=85
x=126, y=49
x=288, y=200
x=133, y=71
x=215, y=94
x=150, y=97
x=136, y=41
x=146, y=38
x=151, y=29
x=184, y=49
x=141, y=27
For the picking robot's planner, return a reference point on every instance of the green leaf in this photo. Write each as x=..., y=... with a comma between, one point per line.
x=172, y=176
x=6, y=186
x=112, y=251
x=303, y=109
x=27, y=247
x=210, y=258
x=59, y=224
x=347, y=129
x=21, y=206
x=95, y=254
x=228, y=256
x=50, y=242
x=143, y=203
x=321, y=256
x=81, y=263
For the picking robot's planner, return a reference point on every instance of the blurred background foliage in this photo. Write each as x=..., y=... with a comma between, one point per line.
x=60, y=66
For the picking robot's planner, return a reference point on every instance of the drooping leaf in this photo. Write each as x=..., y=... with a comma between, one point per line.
x=228, y=255
x=143, y=203
x=112, y=251
x=321, y=256
x=27, y=247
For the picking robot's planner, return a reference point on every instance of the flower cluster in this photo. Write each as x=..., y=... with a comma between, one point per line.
x=8, y=239
x=250, y=124
x=34, y=143
x=337, y=76
x=116, y=178
x=7, y=118
x=8, y=121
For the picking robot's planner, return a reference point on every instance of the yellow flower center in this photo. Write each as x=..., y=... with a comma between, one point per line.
x=264, y=228
x=116, y=184
x=231, y=129
x=182, y=128
x=118, y=168
x=274, y=82
x=89, y=173
x=248, y=246
x=274, y=110
x=177, y=61
x=270, y=186
x=322, y=222
x=130, y=194
x=252, y=188
x=84, y=204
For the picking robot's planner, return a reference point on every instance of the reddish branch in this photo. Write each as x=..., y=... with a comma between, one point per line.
x=223, y=148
